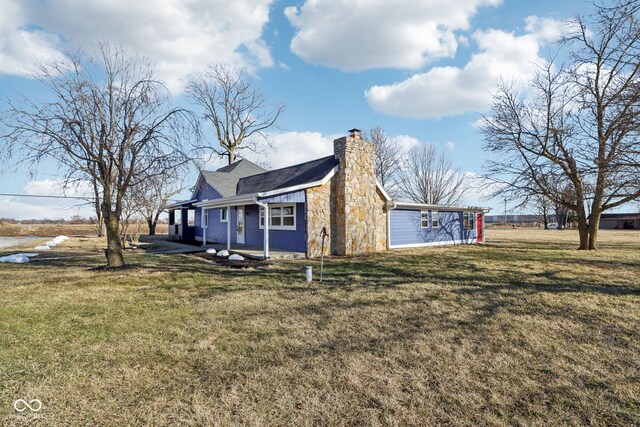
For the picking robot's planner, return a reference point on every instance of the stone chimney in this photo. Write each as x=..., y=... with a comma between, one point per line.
x=356, y=200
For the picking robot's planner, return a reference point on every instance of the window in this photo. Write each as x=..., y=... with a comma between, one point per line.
x=191, y=217
x=223, y=215
x=205, y=218
x=281, y=217
x=177, y=216
x=469, y=223
x=435, y=219
x=424, y=219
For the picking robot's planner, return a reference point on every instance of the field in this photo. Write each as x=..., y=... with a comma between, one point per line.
x=11, y=230
x=521, y=331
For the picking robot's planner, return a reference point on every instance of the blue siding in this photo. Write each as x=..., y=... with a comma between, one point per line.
x=406, y=228
x=205, y=192
x=291, y=240
x=296, y=197
x=217, y=230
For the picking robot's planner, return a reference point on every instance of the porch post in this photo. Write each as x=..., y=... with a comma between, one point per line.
x=266, y=230
x=228, y=228
x=203, y=221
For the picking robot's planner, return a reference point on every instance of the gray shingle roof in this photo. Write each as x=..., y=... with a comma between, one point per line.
x=225, y=179
x=302, y=173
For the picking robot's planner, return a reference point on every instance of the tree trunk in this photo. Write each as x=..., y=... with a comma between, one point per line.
x=113, y=252
x=583, y=229
x=152, y=226
x=594, y=225
x=232, y=156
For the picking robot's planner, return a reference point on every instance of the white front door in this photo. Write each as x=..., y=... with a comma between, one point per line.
x=240, y=225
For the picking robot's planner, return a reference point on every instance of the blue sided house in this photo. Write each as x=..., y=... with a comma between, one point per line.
x=244, y=205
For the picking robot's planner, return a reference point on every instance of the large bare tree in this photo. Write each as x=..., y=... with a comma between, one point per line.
x=430, y=176
x=578, y=123
x=389, y=157
x=106, y=119
x=235, y=108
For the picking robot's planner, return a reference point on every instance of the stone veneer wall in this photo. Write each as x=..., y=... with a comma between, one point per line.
x=381, y=222
x=319, y=214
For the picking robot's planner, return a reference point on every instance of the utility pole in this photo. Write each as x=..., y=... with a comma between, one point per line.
x=505, y=211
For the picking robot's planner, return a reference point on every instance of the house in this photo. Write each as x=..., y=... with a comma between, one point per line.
x=620, y=221
x=338, y=193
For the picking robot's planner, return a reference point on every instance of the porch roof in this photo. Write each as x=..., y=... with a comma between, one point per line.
x=410, y=205
x=180, y=204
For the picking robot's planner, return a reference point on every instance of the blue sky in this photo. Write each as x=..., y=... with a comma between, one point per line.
x=421, y=70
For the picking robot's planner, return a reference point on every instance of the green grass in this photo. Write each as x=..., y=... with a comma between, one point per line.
x=521, y=331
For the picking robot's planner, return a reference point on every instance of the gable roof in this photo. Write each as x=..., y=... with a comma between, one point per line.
x=291, y=176
x=225, y=179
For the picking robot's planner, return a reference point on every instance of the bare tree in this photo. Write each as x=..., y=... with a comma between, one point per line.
x=152, y=196
x=429, y=176
x=389, y=158
x=239, y=113
x=544, y=208
x=108, y=118
x=578, y=123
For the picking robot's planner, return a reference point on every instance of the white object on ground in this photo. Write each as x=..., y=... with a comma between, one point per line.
x=63, y=238
x=211, y=251
x=42, y=248
x=51, y=243
x=15, y=259
x=29, y=254
x=236, y=257
x=223, y=252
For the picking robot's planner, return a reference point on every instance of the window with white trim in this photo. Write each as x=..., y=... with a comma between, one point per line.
x=223, y=215
x=281, y=217
x=435, y=219
x=177, y=217
x=469, y=221
x=424, y=219
x=191, y=217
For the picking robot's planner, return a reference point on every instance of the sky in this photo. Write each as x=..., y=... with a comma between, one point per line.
x=422, y=70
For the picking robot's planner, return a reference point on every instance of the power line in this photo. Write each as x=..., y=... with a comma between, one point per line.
x=42, y=196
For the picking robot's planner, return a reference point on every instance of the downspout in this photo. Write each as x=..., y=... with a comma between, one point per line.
x=389, y=209
x=265, y=206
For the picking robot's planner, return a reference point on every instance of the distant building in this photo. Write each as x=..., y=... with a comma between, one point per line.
x=530, y=220
x=620, y=221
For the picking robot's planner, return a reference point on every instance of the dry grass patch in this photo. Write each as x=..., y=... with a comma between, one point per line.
x=521, y=331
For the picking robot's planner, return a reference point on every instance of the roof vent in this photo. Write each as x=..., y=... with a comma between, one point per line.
x=354, y=133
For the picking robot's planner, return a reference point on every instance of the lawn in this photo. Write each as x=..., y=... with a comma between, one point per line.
x=521, y=331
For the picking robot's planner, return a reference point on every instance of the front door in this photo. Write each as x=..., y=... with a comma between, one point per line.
x=480, y=228
x=240, y=225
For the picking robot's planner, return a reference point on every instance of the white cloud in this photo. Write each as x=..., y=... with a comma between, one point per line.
x=448, y=91
x=20, y=207
x=180, y=36
x=406, y=142
x=355, y=36
x=290, y=148
x=451, y=145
